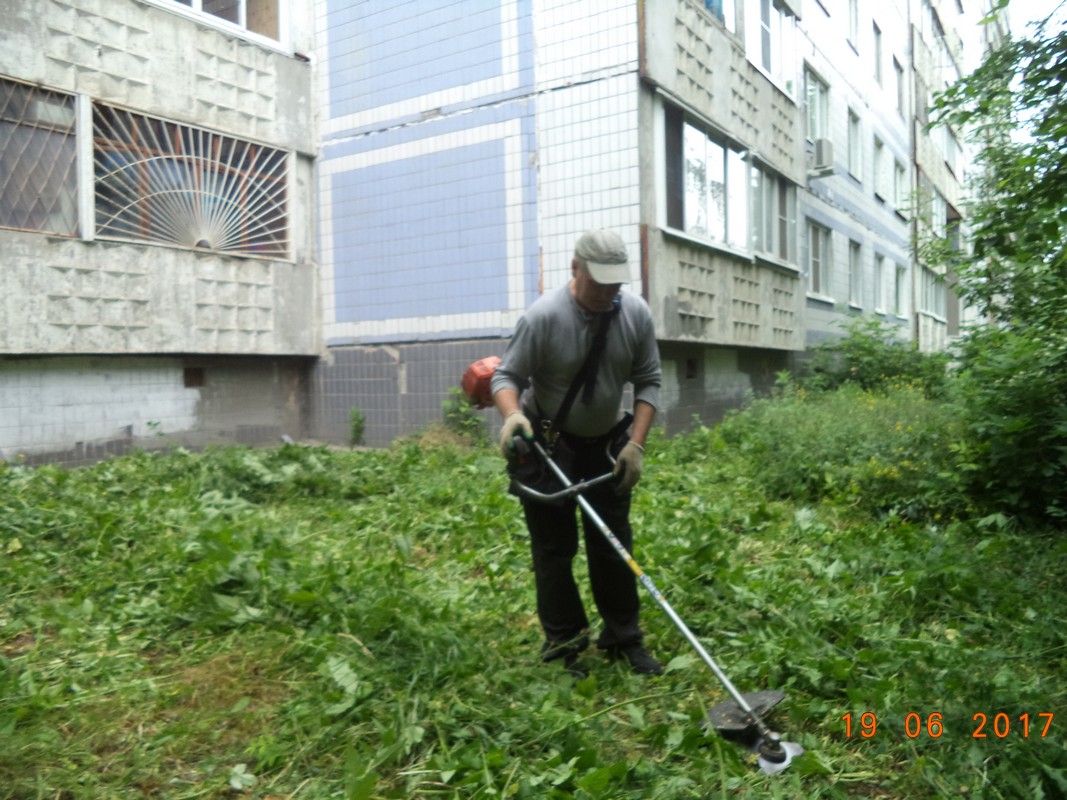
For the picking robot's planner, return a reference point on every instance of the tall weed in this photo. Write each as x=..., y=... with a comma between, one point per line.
x=887, y=451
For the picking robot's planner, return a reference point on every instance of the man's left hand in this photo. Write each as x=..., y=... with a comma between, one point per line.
x=628, y=467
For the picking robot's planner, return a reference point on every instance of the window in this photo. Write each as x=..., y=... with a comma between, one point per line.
x=900, y=291
x=900, y=187
x=855, y=275
x=725, y=11
x=774, y=215
x=854, y=22
x=771, y=40
x=818, y=106
x=855, y=146
x=165, y=182
x=707, y=184
x=38, y=158
x=714, y=192
x=877, y=54
x=819, y=258
x=952, y=151
x=257, y=16
x=932, y=293
x=879, y=281
x=898, y=79
x=881, y=171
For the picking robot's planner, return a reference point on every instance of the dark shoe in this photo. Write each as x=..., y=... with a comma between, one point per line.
x=569, y=648
x=641, y=661
x=576, y=670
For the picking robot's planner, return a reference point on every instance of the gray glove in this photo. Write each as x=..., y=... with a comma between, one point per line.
x=516, y=424
x=628, y=466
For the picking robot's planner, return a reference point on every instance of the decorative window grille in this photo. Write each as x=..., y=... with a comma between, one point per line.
x=165, y=182
x=38, y=158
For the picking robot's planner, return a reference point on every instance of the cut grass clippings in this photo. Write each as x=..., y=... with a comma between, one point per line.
x=311, y=623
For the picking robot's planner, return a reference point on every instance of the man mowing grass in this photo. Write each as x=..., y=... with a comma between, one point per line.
x=561, y=379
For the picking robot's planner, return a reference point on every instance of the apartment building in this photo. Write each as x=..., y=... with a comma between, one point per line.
x=767, y=162
x=157, y=254
x=235, y=220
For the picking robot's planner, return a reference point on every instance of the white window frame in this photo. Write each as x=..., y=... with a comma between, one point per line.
x=854, y=24
x=855, y=274
x=770, y=41
x=774, y=215
x=879, y=283
x=881, y=171
x=193, y=9
x=725, y=11
x=932, y=295
x=901, y=87
x=818, y=100
x=820, y=259
x=877, y=54
x=855, y=145
x=900, y=291
x=900, y=187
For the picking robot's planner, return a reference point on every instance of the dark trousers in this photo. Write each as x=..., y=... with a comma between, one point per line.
x=554, y=543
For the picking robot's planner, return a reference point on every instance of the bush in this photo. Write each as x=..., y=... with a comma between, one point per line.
x=873, y=357
x=1013, y=390
x=882, y=451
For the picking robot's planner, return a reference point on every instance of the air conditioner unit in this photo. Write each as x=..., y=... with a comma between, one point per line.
x=822, y=161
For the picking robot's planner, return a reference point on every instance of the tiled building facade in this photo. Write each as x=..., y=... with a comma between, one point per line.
x=263, y=213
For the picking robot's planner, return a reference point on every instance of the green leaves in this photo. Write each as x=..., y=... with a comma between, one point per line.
x=310, y=623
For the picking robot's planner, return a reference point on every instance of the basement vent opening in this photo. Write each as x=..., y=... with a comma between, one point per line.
x=193, y=377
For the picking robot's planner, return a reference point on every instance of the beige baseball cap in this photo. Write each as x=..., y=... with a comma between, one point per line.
x=604, y=252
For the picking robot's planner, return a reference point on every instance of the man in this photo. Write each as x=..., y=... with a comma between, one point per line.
x=550, y=345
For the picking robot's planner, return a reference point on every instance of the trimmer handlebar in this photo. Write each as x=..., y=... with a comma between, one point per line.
x=522, y=448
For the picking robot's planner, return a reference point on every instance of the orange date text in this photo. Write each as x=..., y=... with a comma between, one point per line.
x=995, y=725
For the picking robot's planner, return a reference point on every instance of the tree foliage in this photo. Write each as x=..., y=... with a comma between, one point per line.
x=1014, y=368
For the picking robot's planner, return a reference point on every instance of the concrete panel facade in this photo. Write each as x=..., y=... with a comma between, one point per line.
x=86, y=318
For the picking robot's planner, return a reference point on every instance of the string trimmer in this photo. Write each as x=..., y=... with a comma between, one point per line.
x=738, y=721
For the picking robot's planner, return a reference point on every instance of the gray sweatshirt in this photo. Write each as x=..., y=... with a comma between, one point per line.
x=551, y=342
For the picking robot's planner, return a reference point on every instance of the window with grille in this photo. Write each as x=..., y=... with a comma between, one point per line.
x=165, y=182
x=38, y=159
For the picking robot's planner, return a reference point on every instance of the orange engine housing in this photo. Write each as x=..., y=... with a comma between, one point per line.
x=476, y=381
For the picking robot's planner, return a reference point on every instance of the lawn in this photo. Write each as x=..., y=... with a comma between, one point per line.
x=305, y=622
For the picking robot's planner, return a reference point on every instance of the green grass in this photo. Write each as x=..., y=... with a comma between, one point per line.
x=314, y=623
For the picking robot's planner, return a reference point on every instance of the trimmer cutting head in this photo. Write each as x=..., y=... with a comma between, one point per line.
x=775, y=755
x=736, y=725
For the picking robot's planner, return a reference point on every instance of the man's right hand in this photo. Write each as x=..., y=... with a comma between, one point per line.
x=516, y=424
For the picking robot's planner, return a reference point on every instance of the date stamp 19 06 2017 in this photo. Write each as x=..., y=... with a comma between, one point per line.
x=983, y=725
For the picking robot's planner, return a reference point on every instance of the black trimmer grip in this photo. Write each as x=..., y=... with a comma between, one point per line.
x=521, y=447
